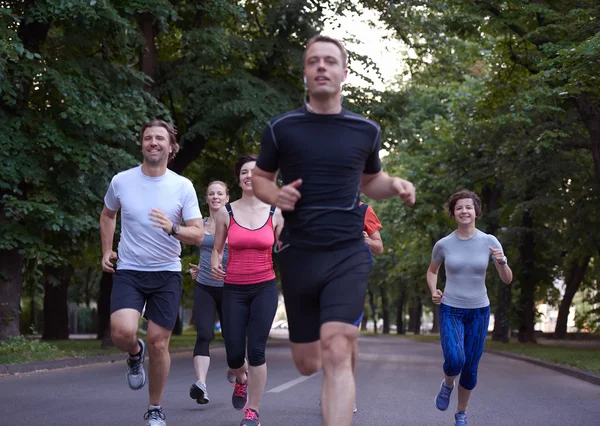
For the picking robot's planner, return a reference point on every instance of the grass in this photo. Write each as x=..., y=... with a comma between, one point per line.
x=577, y=357
x=21, y=349
x=582, y=358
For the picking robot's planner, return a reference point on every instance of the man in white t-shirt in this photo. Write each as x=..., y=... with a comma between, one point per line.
x=153, y=202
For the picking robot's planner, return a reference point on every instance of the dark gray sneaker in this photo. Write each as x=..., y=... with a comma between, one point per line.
x=199, y=393
x=239, y=399
x=136, y=376
x=155, y=416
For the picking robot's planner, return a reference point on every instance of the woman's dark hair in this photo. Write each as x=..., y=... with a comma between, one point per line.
x=243, y=159
x=461, y=195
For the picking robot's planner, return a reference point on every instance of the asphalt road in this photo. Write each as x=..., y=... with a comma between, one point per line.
x=397, y=380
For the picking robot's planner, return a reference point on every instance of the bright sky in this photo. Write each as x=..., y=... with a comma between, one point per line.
x=387, y=53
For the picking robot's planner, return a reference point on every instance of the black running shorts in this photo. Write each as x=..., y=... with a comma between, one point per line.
x=322, y=286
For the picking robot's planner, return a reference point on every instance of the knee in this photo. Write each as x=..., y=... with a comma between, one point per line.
x=122, y=334
x=256, y=356
x=468, y=379
x=158, y=345
x=337, y=351
x=453, y=365
x=307, y=366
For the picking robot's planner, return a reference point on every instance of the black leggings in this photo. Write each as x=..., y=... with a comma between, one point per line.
x=248, y=311
x=208, y=301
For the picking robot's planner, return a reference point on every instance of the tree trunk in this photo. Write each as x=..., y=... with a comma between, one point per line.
x=385, y=310
x=527, y=281
x=373, y=304
x=148, y=55
x=590, y=114
x=415, y=313
x=574, y=280
x=501, y=332
x=400, y=327
x=435, y=328
x=56, y=311
x=11, y=285
x=106, y=283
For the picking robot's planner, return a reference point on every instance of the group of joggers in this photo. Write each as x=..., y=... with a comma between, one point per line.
x=324, y=238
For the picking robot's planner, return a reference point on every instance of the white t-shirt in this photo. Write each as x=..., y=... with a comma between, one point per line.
x=143, y=247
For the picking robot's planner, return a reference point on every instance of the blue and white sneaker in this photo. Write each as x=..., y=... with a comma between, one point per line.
x=136, y=376
x=460, y=418
x=442, y=400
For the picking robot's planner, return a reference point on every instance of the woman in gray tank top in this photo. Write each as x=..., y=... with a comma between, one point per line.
x=208, y=293
x=464, y=305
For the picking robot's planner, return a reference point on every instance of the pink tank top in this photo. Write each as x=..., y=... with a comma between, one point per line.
x=250, y=252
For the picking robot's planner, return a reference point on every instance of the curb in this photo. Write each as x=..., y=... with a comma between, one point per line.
x=584, y=375
x=30, y=367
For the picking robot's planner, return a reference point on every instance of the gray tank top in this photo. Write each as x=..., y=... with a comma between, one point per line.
x=206, y=249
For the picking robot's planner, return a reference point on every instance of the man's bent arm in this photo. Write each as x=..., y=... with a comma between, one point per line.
x=108, y=223
x=192, y=233
x=380, y=186
x=264, y=186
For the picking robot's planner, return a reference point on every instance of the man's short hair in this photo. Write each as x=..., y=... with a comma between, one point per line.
x=327, y=39
x=171, y=130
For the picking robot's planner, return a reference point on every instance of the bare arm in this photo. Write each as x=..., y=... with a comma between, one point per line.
x=432, y=276
x=266, y=190
x=380, y=186
x=108, y=223
x=374, y=242
x=277, y=223
x=216, y=257
x=191, y=233
x=504, y=271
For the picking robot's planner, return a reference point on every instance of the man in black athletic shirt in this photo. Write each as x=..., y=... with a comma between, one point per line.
x=327, y=156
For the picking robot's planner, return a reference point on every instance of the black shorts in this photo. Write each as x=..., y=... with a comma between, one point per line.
x=322, y=286
x=160, y=291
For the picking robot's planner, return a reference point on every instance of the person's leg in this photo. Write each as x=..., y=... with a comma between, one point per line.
x=475, y=334
x=341, y=306
x=205, y=308
x=452, y=340
x=262, y=312
x=236, y=308
x=162, y=308
x=301, y=279
x=160, y=360
x=127, y=302
x=338, y=396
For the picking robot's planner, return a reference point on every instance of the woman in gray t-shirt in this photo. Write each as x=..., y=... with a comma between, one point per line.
x=464, y=305
x=208, y=293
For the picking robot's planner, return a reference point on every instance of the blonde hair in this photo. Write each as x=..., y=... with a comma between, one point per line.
x=218, y=182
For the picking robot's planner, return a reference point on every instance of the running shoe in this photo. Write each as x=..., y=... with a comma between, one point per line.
x=199, y=393
x=136, y=376
x=460, y=418
x=251, y=418
x=239, y=399
x=155, y=416
x=442, y=400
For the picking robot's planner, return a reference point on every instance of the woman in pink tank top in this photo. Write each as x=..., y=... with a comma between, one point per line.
x=250, y=293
